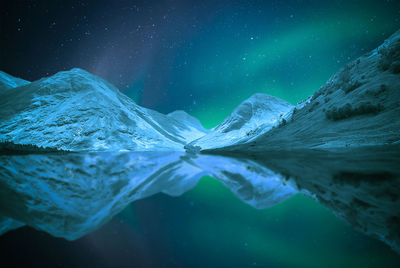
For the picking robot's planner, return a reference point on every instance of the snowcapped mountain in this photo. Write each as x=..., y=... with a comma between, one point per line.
x=75, y=110
x=358, y=106
x=8, y=81
x=253, y=116
x=192, y=122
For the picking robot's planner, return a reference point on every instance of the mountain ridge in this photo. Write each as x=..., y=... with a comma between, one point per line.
x=78, y=111
x=75, y=110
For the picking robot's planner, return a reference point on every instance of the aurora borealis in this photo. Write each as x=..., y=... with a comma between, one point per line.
x=203, y=57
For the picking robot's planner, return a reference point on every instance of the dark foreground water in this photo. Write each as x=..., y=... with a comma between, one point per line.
x=279, y=209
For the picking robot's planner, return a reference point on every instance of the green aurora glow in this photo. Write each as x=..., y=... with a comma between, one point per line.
x=233, y=58
x=223, y=230
x=289, y=59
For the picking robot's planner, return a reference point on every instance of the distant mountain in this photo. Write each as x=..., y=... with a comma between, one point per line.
x=253, y=116
x=183, y=116
x=75, y=110
x=8, y=81
x=191, y=122
x=358, y=106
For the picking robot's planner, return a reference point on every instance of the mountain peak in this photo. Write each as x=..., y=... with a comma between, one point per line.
x=259, y=109
x=74, y=73
x=76, y=80
x=79, y=70
x=258, y=113
x=183, y=116
x=262, y=97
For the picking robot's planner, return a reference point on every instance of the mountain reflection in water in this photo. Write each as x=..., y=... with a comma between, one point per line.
x=70, y=195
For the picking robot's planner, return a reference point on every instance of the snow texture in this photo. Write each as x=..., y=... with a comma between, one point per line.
x=77, y=111
x=253, y=116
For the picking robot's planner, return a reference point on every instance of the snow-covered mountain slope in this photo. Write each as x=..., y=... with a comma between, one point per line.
x=190, y=121
x=75, y=110
x=360, y=105
x=8, y=81
x=253, y=116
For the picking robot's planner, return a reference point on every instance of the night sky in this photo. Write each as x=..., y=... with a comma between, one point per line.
x=204, y=57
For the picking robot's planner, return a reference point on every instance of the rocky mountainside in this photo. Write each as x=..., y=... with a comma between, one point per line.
x=358, y=106
x=77, y=111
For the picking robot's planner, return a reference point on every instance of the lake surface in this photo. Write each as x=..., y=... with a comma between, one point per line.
x=172, y=209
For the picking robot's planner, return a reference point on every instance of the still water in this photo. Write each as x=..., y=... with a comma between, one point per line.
x=171, y=209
